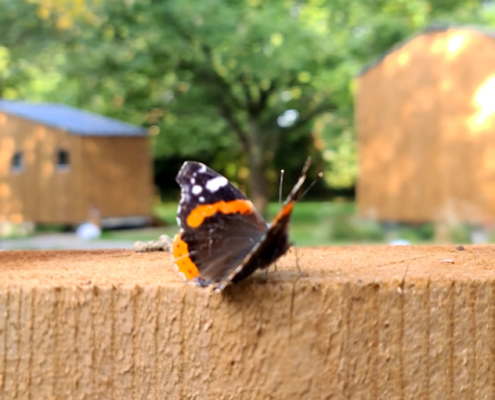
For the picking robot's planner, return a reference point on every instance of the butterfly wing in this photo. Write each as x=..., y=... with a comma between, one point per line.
x=274, y=243
x=219, y=226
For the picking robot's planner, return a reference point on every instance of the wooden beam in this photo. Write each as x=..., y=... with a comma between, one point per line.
x=410, y=322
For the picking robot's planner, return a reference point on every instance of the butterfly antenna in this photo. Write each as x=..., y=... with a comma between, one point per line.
x=280, y=186
x=318, y=177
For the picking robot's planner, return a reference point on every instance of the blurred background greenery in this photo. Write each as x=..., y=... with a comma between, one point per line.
x=247, y=86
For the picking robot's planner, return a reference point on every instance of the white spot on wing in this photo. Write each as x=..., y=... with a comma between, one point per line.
x=193, y=181
x=196, y=189
x=202, y=169
x=201, y=199
x=216, y=183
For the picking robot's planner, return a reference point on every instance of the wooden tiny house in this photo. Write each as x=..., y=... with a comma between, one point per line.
x=59, y=164
x=425, y=120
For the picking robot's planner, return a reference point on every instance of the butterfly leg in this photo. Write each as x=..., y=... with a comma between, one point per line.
x=200, y=282
x=265, y=275
x=297, y=263
x=267, y=268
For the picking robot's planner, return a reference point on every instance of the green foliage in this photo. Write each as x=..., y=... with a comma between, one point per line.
x=27, y=43
x=413, y=233
x=349, y=230
x=211, y=78
x=460, y=233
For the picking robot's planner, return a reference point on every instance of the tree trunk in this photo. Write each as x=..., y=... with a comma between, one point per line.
x=256, y=161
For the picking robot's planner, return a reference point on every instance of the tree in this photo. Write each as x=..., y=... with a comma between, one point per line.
x=233, y=78
x=252, y=71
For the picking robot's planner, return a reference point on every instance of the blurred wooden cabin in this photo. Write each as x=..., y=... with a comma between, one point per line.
x=60, y=164
x=425, y=120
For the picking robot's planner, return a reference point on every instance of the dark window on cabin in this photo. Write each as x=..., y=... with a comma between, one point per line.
x=17, y=162
x=63, y=159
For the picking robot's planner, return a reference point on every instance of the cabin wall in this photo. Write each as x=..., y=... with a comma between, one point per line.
x=117, y=176
x=426, y=131
x=40, y=192
x=110, y=174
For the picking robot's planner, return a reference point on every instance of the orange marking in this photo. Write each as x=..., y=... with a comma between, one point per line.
x=198, y=215
x=285, y=211
x=182, y=259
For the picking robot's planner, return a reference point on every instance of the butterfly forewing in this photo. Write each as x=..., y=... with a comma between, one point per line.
x=219, y=225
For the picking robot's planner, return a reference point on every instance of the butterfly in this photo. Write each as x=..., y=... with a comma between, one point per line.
x=223, y=239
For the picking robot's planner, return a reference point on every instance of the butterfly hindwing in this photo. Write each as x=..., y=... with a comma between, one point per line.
x=274, y=243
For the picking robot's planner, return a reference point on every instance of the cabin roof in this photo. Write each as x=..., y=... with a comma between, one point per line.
x=71, y=119
x=489, y=32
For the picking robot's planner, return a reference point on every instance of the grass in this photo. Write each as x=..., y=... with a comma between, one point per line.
x=312, y=224
x=143, y=235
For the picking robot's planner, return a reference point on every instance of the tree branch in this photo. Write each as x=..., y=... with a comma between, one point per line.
x=309, y=116
x=274, y=141
x=256, y=108
x=228, y=115
x=265, y=94
x=247, y=94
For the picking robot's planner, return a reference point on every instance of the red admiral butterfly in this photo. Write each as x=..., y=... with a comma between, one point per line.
x=222, y=237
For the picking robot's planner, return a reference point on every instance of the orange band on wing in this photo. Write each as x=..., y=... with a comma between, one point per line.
x=198, y=215
x=285, y=211
x=182, y=259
